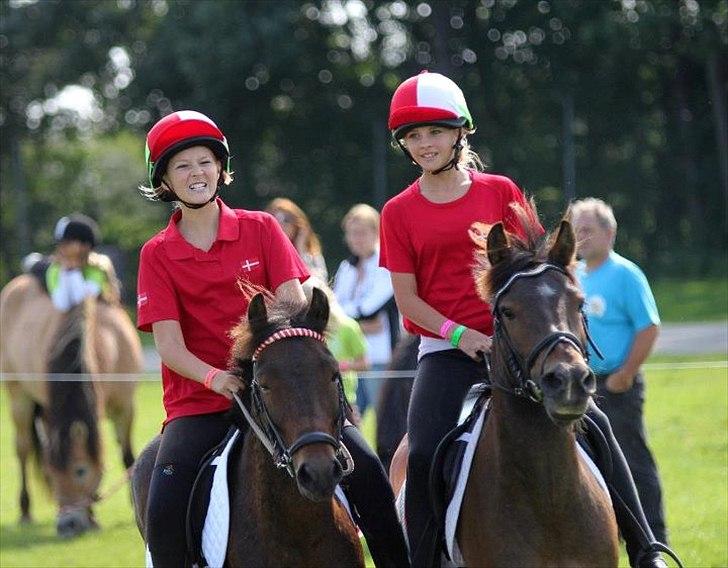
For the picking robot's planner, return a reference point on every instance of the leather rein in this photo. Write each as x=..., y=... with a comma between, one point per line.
x=266, y=430
x=518, y=367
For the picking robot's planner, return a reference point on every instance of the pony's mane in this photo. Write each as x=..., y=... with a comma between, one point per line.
x=71, y=403
x=281, y=315
x=524, y=252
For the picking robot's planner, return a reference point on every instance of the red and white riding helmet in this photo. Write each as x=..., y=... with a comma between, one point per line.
x=178, y=131
x=427, y=98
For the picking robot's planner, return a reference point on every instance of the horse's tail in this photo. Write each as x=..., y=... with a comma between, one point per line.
x=37, y=436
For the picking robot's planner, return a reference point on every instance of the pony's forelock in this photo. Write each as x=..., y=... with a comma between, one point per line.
x=524, y=252
x=281, y=315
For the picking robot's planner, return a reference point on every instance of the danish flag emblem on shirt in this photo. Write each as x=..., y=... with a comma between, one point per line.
x=248, y=265
x=141, y=300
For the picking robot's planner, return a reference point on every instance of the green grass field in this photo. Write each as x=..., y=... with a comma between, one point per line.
x=681, y=301
x=687, y=414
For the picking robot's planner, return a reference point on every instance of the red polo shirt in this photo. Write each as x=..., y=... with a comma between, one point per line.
x=430, y=240
x=199, y=290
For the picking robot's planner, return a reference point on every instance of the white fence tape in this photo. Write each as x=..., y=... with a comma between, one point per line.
x=154, y=376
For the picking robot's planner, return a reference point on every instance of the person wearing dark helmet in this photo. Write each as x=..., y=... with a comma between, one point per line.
x=189, y=299
x=426, y=244
x=75, y=272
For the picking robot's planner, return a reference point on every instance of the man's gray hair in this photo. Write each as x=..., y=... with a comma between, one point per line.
x=601, y=210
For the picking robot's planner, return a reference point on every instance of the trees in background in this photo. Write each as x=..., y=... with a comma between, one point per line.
x=623, y=99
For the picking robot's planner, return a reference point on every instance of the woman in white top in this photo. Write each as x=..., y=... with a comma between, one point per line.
x=364, y=290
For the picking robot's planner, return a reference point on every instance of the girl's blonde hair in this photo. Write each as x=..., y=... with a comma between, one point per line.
x=469, y=158
x=312, y=244
x=336, y=312
x=364, y=213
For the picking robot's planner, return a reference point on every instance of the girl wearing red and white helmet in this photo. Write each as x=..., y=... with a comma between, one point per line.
x=426, y=245
x=189, y=299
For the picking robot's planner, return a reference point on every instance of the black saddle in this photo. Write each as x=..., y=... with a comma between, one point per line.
x=448, y=459
x=200, y=497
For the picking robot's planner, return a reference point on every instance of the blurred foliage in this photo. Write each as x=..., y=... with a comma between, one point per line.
x=302, y=92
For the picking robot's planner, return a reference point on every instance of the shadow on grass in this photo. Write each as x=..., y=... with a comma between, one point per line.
x=14, y=536
x=22, y=536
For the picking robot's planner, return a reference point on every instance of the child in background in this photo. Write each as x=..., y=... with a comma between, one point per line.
x=345, y=340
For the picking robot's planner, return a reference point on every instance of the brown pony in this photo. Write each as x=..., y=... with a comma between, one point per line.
x=282, y=509
x=58, y=420
x=530, y=500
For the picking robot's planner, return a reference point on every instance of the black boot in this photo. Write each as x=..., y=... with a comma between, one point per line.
x=642, y=548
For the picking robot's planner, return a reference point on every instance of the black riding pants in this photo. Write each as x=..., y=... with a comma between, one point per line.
x=625, y=412
x=442, y=381
x=185, y=441
x=370, y=493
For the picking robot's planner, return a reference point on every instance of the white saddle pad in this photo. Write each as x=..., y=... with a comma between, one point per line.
x=453, y=509
x=217, y=520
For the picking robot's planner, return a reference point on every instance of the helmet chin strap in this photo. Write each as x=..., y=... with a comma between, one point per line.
x=192, y=205
x=453, y=163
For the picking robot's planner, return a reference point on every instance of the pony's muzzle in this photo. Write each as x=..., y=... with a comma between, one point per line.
x=318, y=474
x=74, y=521
x=567, y=390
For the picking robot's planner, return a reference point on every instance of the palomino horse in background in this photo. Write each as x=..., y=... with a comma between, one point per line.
x=95, y=337
x=530, y=499
x=282, y=510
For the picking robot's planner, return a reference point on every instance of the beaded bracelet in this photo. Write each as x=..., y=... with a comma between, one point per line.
x=210, y=376
x=456, y=335
x=445, y=327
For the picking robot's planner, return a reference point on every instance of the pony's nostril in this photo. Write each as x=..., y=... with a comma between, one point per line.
x=303, y=475
x=589, y=382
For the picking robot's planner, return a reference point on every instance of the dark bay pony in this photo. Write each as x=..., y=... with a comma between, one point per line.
x=530, y=499
x=394, y=399
x=58, y=421
x=282, y=509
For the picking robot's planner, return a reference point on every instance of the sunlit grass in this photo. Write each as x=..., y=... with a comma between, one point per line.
x=687, y=415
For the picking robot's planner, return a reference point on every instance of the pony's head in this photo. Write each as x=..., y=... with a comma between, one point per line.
x=539, y=347
x=73, y=450
x=295, y=389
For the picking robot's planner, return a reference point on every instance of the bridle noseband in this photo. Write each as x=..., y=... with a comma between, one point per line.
x=519, y=367
x=266, y=430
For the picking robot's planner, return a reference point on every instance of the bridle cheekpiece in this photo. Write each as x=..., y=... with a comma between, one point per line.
x=266, y=430
x=520, y=367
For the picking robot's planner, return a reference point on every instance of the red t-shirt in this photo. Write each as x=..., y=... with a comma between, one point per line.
x=199, y=290
x=430, y=240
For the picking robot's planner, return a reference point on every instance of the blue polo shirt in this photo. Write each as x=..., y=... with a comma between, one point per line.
x=619, y=304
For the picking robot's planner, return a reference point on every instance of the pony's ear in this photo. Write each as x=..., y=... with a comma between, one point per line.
x=498, y=244
x=257, y=313
x=317, y=317
x=562, y=251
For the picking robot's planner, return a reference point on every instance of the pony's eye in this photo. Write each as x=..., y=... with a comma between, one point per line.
x=508, y=313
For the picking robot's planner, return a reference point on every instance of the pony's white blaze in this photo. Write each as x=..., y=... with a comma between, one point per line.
x=546, y=291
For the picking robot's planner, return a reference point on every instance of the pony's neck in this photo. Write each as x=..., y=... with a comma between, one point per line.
x=530, y=445
x=278, y=494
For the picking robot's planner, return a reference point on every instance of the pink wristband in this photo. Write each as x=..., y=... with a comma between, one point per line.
x=210, y=376
x=445, y=327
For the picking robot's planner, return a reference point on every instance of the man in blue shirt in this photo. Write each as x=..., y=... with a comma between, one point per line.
x=624, y=323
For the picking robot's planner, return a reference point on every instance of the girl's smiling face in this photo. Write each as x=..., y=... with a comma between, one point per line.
x=193, y=174
x=431, y=146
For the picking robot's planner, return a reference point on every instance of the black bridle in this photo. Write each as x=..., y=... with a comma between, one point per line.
x=519, y=367
x=268, y=433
